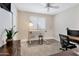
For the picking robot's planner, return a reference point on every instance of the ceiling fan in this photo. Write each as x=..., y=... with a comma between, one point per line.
x=51, y=5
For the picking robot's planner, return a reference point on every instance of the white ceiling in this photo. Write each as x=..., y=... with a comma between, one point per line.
x=40, y=7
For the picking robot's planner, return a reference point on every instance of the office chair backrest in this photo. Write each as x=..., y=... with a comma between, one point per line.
x=63, y=40
x=72, y=32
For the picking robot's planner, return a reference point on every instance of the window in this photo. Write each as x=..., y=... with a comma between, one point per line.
x=38, y=22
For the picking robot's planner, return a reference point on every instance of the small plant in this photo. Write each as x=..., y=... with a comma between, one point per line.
x=10, y=33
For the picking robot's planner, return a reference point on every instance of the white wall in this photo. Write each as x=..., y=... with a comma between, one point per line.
x=5, y=22
x=23, y=22
x=68, y=18
x=14, y=11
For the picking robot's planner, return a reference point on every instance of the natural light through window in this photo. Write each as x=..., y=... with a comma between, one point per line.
x=39, y=23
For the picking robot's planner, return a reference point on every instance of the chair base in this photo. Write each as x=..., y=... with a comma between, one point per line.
x=63, y=49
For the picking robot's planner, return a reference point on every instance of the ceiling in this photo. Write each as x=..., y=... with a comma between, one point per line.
x=40, y=7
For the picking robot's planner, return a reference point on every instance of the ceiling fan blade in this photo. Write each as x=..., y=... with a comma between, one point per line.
x=48, y=5
x=54, y=6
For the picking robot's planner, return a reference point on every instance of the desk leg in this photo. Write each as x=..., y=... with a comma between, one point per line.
x=29, y=42
x=40, y=40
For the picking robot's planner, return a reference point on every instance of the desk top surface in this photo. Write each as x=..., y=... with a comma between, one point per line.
x=73, y=37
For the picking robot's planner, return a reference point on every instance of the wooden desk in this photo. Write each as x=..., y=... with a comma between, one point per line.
x=73, y=39
x=32, y=34
x=35, y=34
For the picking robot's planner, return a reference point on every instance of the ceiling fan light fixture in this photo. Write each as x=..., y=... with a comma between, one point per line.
x=48, y=6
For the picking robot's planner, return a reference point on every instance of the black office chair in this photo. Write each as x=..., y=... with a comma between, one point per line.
x=65, y=44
